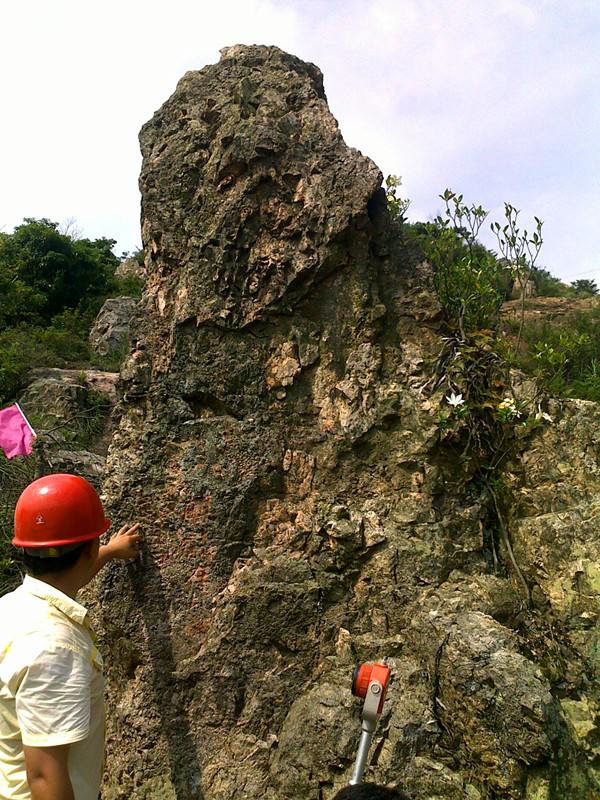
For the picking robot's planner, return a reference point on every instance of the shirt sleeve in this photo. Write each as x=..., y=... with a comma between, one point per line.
x=53, y=699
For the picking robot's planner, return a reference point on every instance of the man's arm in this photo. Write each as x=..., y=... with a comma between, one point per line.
x=47, y=772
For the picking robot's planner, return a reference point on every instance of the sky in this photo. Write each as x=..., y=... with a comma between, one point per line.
x=498, y=100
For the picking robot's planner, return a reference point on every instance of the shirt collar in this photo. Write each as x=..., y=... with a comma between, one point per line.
x=68, y=606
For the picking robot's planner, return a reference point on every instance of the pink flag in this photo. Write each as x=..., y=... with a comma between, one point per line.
x=16, y=434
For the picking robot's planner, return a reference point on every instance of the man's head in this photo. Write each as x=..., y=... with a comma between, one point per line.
x=57, y=519
x=369, y=791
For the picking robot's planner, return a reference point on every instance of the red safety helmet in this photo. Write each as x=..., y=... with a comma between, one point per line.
x=56, y=510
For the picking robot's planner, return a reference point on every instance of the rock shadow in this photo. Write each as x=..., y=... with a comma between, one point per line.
x=148, y=587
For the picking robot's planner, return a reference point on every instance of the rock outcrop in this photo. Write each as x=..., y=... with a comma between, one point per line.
x=130, y=268
x=301, y=514
x=70, y=410
x=110, y=332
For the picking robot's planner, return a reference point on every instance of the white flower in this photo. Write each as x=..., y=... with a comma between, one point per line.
x=508, y=404
x=543, y=415
x=455, y=400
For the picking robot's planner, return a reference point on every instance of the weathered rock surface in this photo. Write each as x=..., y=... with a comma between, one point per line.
x=70, y=411
x=69, y=403
x=110, y=332
x=84, y=463
x=99, y=381
x=301, y=515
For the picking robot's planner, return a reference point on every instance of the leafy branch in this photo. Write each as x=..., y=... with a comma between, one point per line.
x=520, y=251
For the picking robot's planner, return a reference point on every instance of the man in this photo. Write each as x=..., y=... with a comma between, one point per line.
x=51, y=683
x=369, y=791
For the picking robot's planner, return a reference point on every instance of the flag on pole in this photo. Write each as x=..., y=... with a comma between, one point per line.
x=16, y=434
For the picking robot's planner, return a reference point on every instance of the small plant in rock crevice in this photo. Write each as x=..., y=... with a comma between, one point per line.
x=481, y=419
x=398, y=206
x=483, y=422
x=471, y=283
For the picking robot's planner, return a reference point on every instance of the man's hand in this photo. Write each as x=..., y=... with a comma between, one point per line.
x=126, y=543
x=47, y=772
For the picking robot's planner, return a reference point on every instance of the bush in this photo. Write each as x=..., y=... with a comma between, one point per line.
x=20, y=349
x=52, y=288
x=471, y=282
x=546, y=285
x=130, y=286
x=566, y=359
x=25, y=347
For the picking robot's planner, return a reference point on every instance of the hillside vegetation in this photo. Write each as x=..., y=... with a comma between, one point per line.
x=52, y=285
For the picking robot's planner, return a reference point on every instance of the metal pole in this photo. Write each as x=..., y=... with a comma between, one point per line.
x=370, y=716
x=361, y=756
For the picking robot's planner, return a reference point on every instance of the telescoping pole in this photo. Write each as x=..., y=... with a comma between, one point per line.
x=370, y=683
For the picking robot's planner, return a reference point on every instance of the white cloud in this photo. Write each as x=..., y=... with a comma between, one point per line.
x=519, y=11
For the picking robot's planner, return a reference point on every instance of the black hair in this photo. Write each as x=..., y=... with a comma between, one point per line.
x=369, y=791
x=36, y=566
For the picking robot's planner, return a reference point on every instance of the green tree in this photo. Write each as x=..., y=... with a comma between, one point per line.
x=52, y=285
x=43, y=272
x=584, y=288
x=546, y=285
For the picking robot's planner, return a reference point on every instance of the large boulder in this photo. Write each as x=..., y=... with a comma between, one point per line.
x=70, y=411
x=70, y=403
x=109, y=334
x=55, y=403
x=279, y=442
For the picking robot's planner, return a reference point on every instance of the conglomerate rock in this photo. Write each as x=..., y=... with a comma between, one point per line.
x=279, y=449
